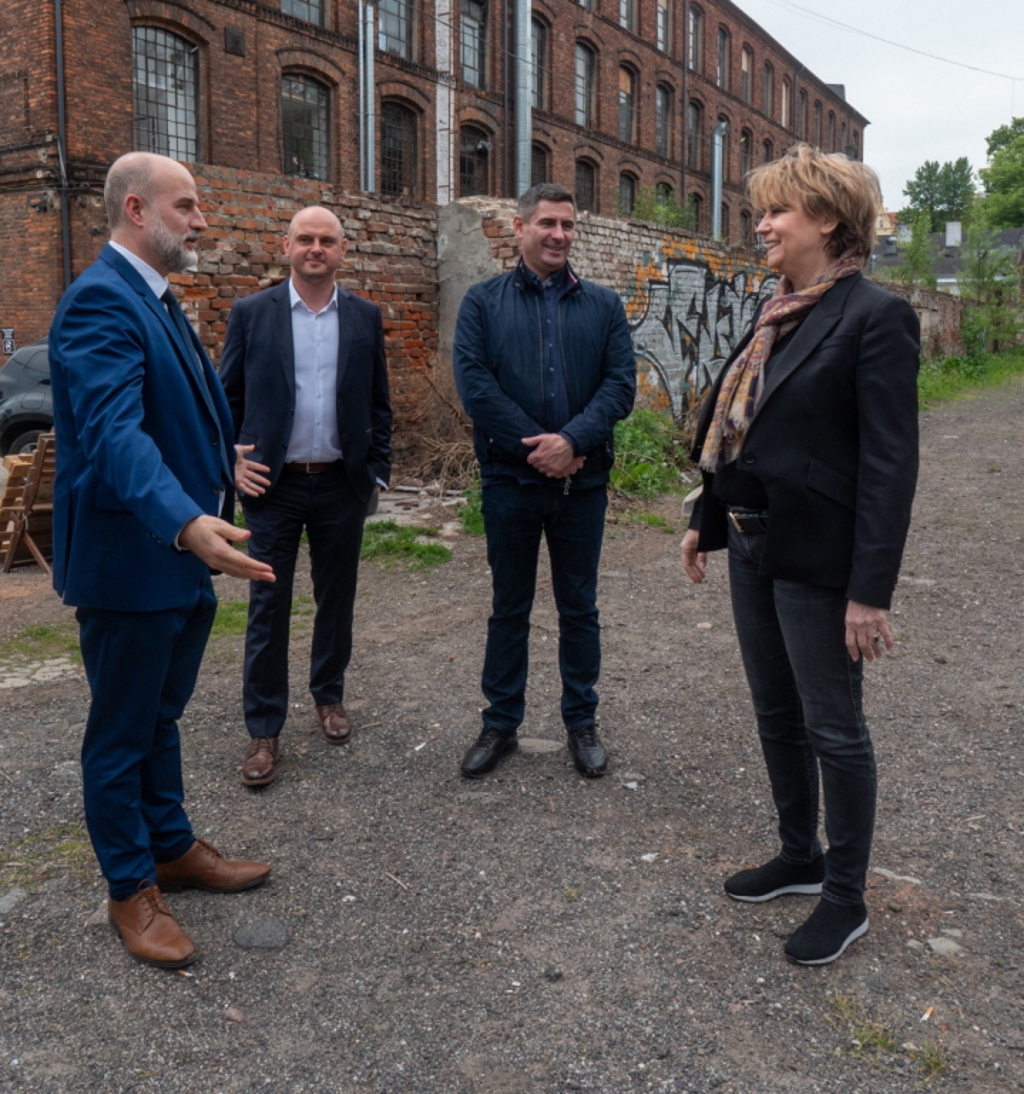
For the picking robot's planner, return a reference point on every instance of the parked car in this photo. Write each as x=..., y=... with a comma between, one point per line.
x=26, y=403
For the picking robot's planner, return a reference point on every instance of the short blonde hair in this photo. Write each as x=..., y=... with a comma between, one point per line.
x=827, y=187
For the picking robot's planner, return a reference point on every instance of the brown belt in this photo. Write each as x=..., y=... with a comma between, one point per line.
x=311, y=468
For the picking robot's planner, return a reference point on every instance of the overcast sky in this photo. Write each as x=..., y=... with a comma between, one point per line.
x=920, y=109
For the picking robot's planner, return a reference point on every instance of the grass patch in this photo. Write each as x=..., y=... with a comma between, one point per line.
x=947, y=377
x=649, y=455
x=42, y=642
x=471, y=515
x=874, y=1041
x=30, y=861
x=397, y=545
x=649, y=520
x=233, y=615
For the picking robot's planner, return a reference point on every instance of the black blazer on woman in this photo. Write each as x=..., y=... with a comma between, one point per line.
x=834, y=442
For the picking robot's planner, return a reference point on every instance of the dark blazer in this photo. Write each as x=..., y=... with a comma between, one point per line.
x=142, y=441
x=257, y=369
x=834, y=441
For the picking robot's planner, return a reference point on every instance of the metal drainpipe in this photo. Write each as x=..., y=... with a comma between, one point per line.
x=369, y=125
x=505, y=99
x=362, y=100
x=685, y=105
x=524, y=110
x=717, y=146
x=65, y=217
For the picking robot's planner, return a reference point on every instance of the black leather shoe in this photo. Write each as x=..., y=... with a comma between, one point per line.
x=487, y=750
x=587, y=752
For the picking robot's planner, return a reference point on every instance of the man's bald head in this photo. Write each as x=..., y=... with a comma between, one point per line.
x=141, y=173
x=314, y=214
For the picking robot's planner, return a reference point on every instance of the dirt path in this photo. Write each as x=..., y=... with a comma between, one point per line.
x=536, y=933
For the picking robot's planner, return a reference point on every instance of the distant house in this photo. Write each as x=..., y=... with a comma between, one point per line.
x=888, y=252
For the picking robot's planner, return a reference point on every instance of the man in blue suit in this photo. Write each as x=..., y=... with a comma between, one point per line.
x=306, y=379
x=144, y=470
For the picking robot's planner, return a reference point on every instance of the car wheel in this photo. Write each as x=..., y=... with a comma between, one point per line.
x=25, y=443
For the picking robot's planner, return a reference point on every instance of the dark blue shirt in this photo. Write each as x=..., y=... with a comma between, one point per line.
x=555, y=390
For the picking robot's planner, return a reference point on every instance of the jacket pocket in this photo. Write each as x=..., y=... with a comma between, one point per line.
x=833, y=484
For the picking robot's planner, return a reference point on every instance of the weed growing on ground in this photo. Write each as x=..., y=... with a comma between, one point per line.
x=946, y=377
x=874, y=1041
x=34, y=859
x=41, y=642
x=471, y=516
x=393, y=544
x=649, y=455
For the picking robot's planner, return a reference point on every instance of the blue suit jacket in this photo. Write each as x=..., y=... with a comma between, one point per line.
x=143, y=444
x=258, y=370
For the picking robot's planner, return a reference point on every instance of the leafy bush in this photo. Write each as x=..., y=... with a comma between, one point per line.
x=945, y=377
x=649, y=455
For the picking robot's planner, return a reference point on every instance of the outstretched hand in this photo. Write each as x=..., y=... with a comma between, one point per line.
x=249, y=478
x=210, y=538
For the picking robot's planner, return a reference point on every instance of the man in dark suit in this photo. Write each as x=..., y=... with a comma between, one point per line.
x=144, y=465
x=306, y=379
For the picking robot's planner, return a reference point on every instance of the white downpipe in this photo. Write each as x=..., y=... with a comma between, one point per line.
x=362, y=100
x=524, y=111
x=444, y=118
x=369, y=103
x=717, y=148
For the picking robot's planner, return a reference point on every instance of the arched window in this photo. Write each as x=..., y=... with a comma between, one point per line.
x=695, y=48
x=746, y=73
x=165, y=93
x=627, y=14
x=396, y=27
x=696, y=211
x=768, y=91
x=399, y=159
x=787, y=97
x=664, y=194
x=725, y=232
x=541, y=73
x=856, y=145
x=474, y=42
x=746, y=228
x=801, y=114
x=627, y=105
x=586, y=186
x=722, y=119
x=766, y=151
x=664, y=26
x=663, y=121
x=304, y=126
x=627, y=194
x=585, y=66
x=817, y=123
x=831, y=132
x=746, y=148
x=312, y=11
x=694, y=134
x=538, y=164
x=474, y=162
x=722, y=68
x=842, y=140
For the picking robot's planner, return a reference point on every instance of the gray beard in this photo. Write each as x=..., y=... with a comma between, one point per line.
x=171, y=249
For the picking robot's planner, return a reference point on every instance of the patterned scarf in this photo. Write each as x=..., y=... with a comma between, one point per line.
x=741, y=389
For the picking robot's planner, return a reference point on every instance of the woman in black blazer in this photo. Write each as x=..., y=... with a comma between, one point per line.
x=808, y=448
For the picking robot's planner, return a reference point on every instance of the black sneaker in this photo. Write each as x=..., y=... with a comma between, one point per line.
x=829, y=930
x=587, y=752
x=776, y=878
x=490, y=747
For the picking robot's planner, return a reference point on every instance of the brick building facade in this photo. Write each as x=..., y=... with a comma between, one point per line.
x=626, y=95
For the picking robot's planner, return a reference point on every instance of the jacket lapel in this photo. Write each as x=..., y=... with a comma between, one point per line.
x=346, y=318
x=285, y=344
x=811, y=333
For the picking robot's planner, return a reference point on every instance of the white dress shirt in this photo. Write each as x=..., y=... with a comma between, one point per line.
x=156, y=281
x=315, y=337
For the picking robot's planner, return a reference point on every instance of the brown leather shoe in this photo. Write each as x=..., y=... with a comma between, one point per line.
x=334, y=723
x=149, y=931
x=203, y=867
x=260, y=764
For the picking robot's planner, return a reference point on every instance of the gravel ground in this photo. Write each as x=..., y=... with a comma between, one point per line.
x=536, y=932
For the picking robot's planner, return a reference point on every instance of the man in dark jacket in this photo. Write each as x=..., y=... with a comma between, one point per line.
x=544, y=366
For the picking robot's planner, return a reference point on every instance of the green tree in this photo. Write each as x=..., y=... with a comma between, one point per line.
x=918, y=265
x=1004, y=177
x=662, y=208
x=944, y=192
x=990, y=289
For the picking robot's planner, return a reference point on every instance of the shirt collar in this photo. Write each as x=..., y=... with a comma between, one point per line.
x=560, y=280
x=294, y=299
x=156, y=281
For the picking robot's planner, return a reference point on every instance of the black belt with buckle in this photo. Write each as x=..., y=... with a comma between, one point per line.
x=747, y=520
x=311, y=468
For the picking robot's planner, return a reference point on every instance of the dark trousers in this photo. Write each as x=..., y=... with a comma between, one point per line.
x=515, y=517
x=807, y=698
x=142, y=669
x=326, y=507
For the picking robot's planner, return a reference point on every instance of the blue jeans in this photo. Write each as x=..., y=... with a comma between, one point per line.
x=515, y=516
x=807, y=698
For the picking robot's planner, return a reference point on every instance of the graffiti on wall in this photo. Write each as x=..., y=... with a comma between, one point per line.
x=687, y=311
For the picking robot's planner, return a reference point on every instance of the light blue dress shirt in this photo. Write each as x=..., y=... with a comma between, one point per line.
x=314, y=436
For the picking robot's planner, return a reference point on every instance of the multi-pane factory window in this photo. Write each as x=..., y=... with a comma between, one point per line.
x=586, y=186
x=312, y=11
x=539, y=83
x=663, y=120
x=396, y=24
x=165, y=94
x=584, y=84
x=474, y=41
x=399, y=162
x=474, y=149
x=304, y=126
